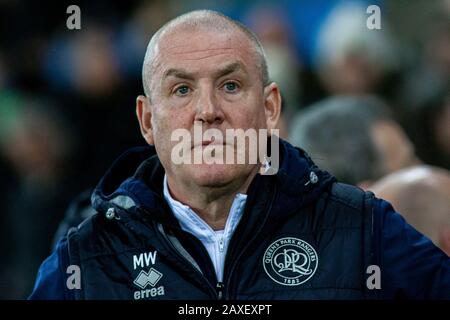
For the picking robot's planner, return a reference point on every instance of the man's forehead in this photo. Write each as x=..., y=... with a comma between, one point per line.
x=198, y=44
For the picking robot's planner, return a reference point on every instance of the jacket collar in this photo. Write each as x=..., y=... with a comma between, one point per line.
x=135, y=180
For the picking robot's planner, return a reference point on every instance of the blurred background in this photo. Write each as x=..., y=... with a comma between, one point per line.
x=371, y=106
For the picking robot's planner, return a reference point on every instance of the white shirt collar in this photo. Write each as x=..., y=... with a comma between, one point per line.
x=215, y=242
x=191, y=222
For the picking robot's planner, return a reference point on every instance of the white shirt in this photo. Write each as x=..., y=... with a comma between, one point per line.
x=215, y=242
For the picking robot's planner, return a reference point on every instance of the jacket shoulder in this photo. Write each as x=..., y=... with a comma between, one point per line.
x=51, y=279
x=109, y=233
x=346, y=206
x=350, y=196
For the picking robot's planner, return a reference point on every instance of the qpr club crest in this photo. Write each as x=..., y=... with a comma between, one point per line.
x=290, y=261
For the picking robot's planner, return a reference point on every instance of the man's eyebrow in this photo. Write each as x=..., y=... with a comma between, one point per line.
x=232, y=67
x=178, y=73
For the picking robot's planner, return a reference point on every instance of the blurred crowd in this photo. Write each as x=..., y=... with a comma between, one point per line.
x=371, y=106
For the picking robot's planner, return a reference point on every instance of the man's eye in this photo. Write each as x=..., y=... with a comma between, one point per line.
x=182, y=90
x=231, y=87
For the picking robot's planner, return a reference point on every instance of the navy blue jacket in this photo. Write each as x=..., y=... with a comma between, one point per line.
x=302, y=236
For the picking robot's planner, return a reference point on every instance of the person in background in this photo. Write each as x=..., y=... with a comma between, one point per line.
x=35, y=143
x=422, y=195
x=354, y=137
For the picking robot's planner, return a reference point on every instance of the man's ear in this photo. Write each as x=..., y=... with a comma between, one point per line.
x=272, y=105
x=144, y=115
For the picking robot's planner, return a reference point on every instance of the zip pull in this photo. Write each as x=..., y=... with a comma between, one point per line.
x=221, y=244
x=220, y=287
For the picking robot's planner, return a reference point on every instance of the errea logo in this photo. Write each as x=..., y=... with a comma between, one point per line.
x=147, y=278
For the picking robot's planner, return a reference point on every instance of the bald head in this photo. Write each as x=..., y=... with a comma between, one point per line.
x=422, y=195
x=200, y=20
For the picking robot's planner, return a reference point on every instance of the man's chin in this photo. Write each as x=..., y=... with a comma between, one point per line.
x=217, y=175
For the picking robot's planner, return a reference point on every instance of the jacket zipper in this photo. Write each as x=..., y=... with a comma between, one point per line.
x=236, y=261
x=219, y=290
x=220, y=287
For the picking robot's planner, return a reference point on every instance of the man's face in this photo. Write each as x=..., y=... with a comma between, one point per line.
x=210, y=79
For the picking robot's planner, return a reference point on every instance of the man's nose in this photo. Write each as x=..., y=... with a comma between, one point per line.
x=208, y=109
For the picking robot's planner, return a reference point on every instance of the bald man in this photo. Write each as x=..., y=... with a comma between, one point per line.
x=205, y=213
x=422, y=195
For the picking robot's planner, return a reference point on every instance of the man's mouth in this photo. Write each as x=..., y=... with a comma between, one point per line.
x=212, y=142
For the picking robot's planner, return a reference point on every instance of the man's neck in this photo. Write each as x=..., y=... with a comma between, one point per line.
x=211, y=204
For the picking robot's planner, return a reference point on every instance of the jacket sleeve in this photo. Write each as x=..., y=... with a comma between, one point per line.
x=411, y=265
x=51, y=278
